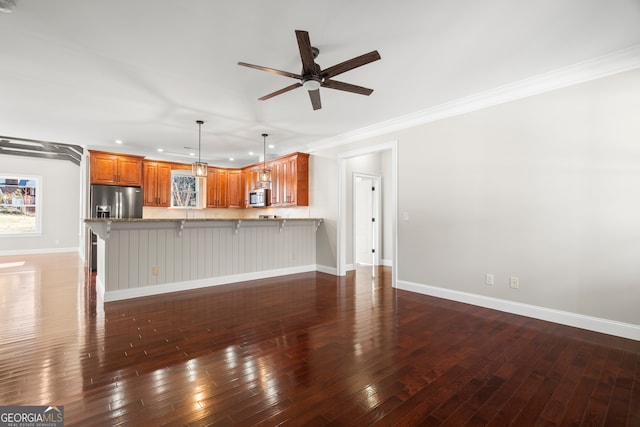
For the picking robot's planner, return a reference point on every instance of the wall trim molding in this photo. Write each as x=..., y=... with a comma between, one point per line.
x=39, y=251
x=122, y=294
x=326, y=269
x=602, y=66
x=596, y=324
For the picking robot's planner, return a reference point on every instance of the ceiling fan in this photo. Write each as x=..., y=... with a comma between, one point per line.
x=313, y=77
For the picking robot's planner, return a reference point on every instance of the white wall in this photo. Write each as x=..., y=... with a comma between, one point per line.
x=60, y=205
x=323, y=203
x=546, y=188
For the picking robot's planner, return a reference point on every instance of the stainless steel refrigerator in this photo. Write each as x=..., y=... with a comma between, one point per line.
x=112, y=201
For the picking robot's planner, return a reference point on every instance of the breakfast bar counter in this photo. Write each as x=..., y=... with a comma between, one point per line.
x=139, y=257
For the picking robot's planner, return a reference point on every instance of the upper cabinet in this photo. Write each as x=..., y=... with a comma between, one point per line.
x=115, y=169
x=235, y=193
x=217, y=188
x=157, y=183
x=225, y=188
x=290, y=180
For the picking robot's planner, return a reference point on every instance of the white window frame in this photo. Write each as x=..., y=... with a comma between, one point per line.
x=38, y=205
x=199, y=187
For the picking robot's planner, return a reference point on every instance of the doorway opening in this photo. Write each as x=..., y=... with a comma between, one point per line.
x=345, y=213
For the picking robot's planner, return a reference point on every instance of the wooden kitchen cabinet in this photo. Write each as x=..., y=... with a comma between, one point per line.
x=235, y=193
x=217, y=188
x=277, y=182
x=249, y=182
x=297, y=180
x=156, y=183
x=115, y=169
x=290, y=181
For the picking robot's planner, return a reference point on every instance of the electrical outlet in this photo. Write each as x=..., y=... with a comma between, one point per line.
x=514, y=282
x=155, y=270
x=489, y=279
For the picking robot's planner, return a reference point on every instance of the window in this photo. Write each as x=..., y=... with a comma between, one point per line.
x=20, y=204
x=185, y=190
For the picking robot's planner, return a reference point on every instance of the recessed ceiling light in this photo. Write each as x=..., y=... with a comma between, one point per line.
x=231, y=159
x=118, y=141
x=272, y=146
x=251, y=153
x=192, y=154
x=160, y=150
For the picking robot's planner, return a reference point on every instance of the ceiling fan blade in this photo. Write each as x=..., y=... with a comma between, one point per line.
x=347, y=87
x=350, y=64
x=306, y=53
x=281, y=91
x=315, y=99
x=272, y=70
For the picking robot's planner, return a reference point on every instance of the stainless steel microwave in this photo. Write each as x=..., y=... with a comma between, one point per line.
x=260, y=197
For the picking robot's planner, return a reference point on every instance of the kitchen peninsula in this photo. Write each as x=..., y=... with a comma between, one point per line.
x=139, y=257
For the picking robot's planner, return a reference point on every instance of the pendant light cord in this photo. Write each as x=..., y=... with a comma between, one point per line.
x=199, y=122
x=264, y=152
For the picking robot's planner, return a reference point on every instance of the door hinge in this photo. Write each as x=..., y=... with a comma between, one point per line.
x=373, y=220
x=373, y=251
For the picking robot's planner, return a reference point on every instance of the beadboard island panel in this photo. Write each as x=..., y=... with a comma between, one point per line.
x=139, y=257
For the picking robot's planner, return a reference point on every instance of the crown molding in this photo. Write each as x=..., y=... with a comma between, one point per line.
x=602, y=66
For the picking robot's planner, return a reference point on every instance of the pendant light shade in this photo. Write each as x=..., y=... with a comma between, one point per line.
x=199, y=168
x=264, y=177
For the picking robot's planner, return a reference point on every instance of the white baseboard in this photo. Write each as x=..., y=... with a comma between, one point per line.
x=606, y=326
x=386, y=262
x=99, y=288
x=326, y=269
x=164, y=288
x=39, y=251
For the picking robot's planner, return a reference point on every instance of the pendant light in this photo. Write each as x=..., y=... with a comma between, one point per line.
x=264, y=177
x=199, y=168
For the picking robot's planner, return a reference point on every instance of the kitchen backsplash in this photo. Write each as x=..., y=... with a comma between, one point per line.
x=173, y=213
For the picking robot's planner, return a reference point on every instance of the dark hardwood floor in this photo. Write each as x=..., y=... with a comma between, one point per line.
x=308, y=349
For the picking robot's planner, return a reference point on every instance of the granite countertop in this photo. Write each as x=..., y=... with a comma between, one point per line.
x=98, y=220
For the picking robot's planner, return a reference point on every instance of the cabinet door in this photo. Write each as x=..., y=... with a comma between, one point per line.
x=217, y=188
x=211, y=188
x=104, y=169
x=163, y=185
x=221, y=180
x=235, y=195
x=129, y=171
x=291, y=183
x=150, y=178
x=296, y=177
x=157, y=184
x=276, y=183
x=247, y=185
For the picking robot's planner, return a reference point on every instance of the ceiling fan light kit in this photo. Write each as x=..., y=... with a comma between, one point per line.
x=312, y=84
x=312, y=77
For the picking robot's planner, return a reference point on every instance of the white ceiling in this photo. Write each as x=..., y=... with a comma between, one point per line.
x=89, y=72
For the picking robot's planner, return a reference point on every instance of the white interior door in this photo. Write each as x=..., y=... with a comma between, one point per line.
x=366, y=219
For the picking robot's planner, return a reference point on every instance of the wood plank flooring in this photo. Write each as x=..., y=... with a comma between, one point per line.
x=302, y=350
